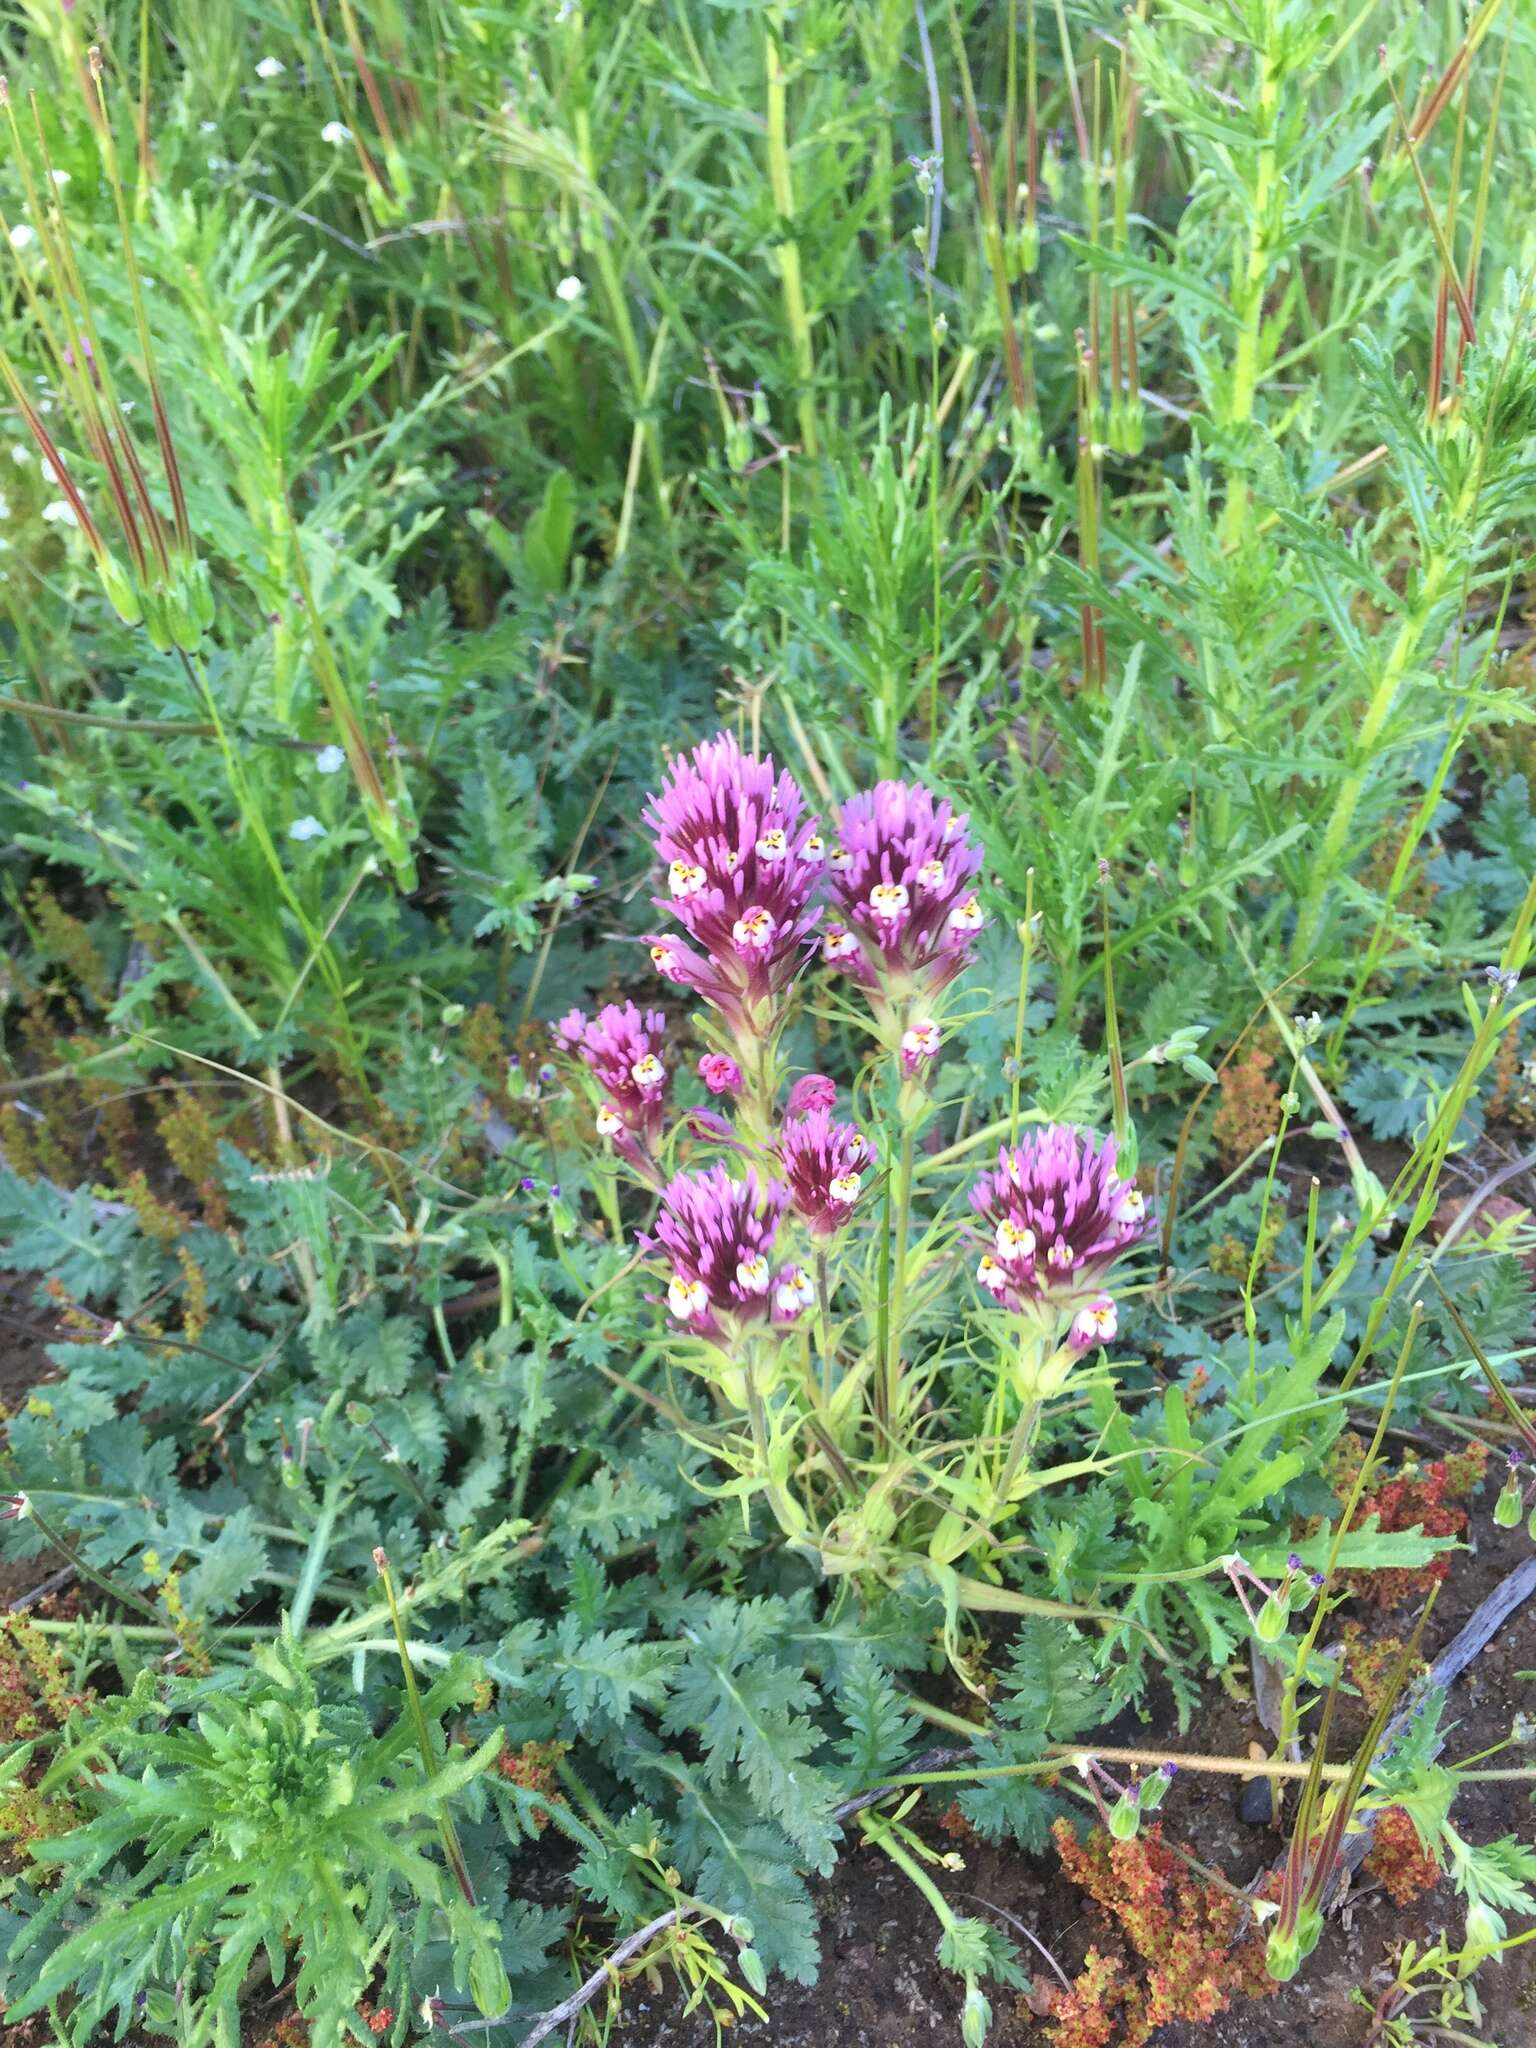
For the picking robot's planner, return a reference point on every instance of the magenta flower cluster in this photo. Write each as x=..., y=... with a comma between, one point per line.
x=1058, y=1216
x=747, y=869
x=824, y=1166
x=718, y=1233
x=621, y=1045
x=902, y=880
x=743, y=864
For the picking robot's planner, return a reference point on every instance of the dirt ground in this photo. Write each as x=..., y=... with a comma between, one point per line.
x=881, y=1986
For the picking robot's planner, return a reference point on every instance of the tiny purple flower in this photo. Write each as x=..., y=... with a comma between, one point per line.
x=824, y=1165
x=743, y=862
x=1059, y=1217
x=619, y=1045
x=720, y=1074
x=903, y=887
x=718, y=1234
x=812, y=1091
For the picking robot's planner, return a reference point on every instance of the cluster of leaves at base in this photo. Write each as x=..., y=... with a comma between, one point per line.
x=240, y=1818
x=710, y=1698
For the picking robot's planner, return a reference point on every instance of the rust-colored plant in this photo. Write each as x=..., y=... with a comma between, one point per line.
x=1399, y=1858
x=1184, y=1927
x=1249, y=1112
x=1426, y=1497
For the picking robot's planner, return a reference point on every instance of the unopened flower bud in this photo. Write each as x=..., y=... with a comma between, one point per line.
x=1154, y=1790
x=1272, y=1619
x=1124, y=1817
x=1506, y=1509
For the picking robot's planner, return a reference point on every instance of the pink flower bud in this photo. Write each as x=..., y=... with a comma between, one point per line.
x=812, y=1091
x=720, y=1074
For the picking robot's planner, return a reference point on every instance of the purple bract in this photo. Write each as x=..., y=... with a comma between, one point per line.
x=718, y=1233
x=824, y=1165
x=1058, y=1217
x=621, y=1046
x=812, y=1091
x=902, y=879
x=743, y=861
x=720, y=1074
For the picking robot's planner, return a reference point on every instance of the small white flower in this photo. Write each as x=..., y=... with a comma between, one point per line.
x=648, y=1072
x=609, y=1122
x=684, y=879
x=793, y=1292
x=991, y=1275
x=687, y=1298
x=60, y=513
x=569, y=290
x=966, y=916
x=60, y=178
x=21, y=455
x=306, y=828
x=754, y=928
x=271, y=67
x=5, y=506
x=1098, y=1323
x=22, y=236
x=335, y=133
x=844, y=1188
x=752, y=1274
x=329, y=759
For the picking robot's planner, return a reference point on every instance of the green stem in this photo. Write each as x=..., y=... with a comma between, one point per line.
x=777, y=126
x=314, y=1562
x=1248, y=285
x=1341, y=818
x=447, y=1833
x=902, y=1203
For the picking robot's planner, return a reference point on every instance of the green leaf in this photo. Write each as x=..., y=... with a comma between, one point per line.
x=548, y=535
